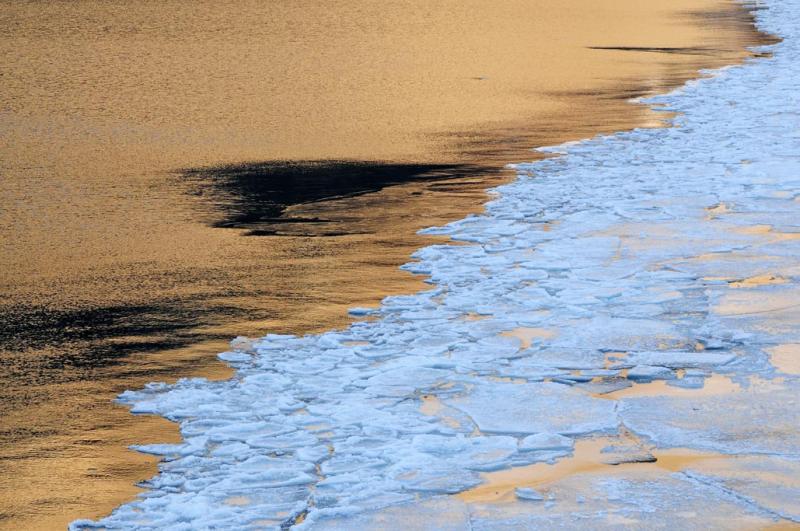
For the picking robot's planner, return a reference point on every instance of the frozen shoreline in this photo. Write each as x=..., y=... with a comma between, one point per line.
x=662, y=255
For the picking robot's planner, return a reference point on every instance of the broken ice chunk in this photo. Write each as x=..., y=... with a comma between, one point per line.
x=498, y=407
x=357, y=312
x=234, y=357
x=426, y=476
x=606, y=385
x=680, y=360
x=527, y=493
x=546, y=441
x=648, y=373
x=685, y=422
x=621, y=453
x=689, y=382
x=472, y=453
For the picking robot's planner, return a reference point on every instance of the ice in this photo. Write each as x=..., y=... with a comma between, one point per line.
x=641, y=500
x=361, y=311
x=605, y=385
x=680, y=360
x=609, y=333
x=751, y=421
x=475, y=453
x=534, y=408
x=546, y=441
x=234, y=357
x=635, y=251
x=764, y=481
x=562, y=359
x=647, y=373
x=527, y=493
x=439, y=513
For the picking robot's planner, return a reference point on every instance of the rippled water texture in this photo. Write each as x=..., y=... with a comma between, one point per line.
x=175, y=173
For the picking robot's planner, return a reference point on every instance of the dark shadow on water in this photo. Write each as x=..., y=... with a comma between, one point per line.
x=656, y=49
x=250, y=195
x=98, y=336
x=39, y=341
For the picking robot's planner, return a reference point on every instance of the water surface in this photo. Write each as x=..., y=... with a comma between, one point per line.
x=175, y=173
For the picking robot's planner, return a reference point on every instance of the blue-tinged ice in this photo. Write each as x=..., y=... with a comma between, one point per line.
x=534, y=408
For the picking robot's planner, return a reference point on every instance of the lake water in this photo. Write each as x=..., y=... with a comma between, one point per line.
x=174, y=174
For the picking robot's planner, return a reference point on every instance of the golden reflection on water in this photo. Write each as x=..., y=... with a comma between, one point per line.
x=111, y=274
x=175, y=83
x=611, y=457
x=715, y=384
x=786, y=358
x=588, y=458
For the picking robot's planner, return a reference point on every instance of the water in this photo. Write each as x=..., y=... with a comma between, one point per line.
x=175, y=173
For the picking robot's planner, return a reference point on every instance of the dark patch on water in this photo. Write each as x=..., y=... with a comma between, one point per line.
x=687, y=50
x=732, y=18
x=254, y=194
x=98, y=336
